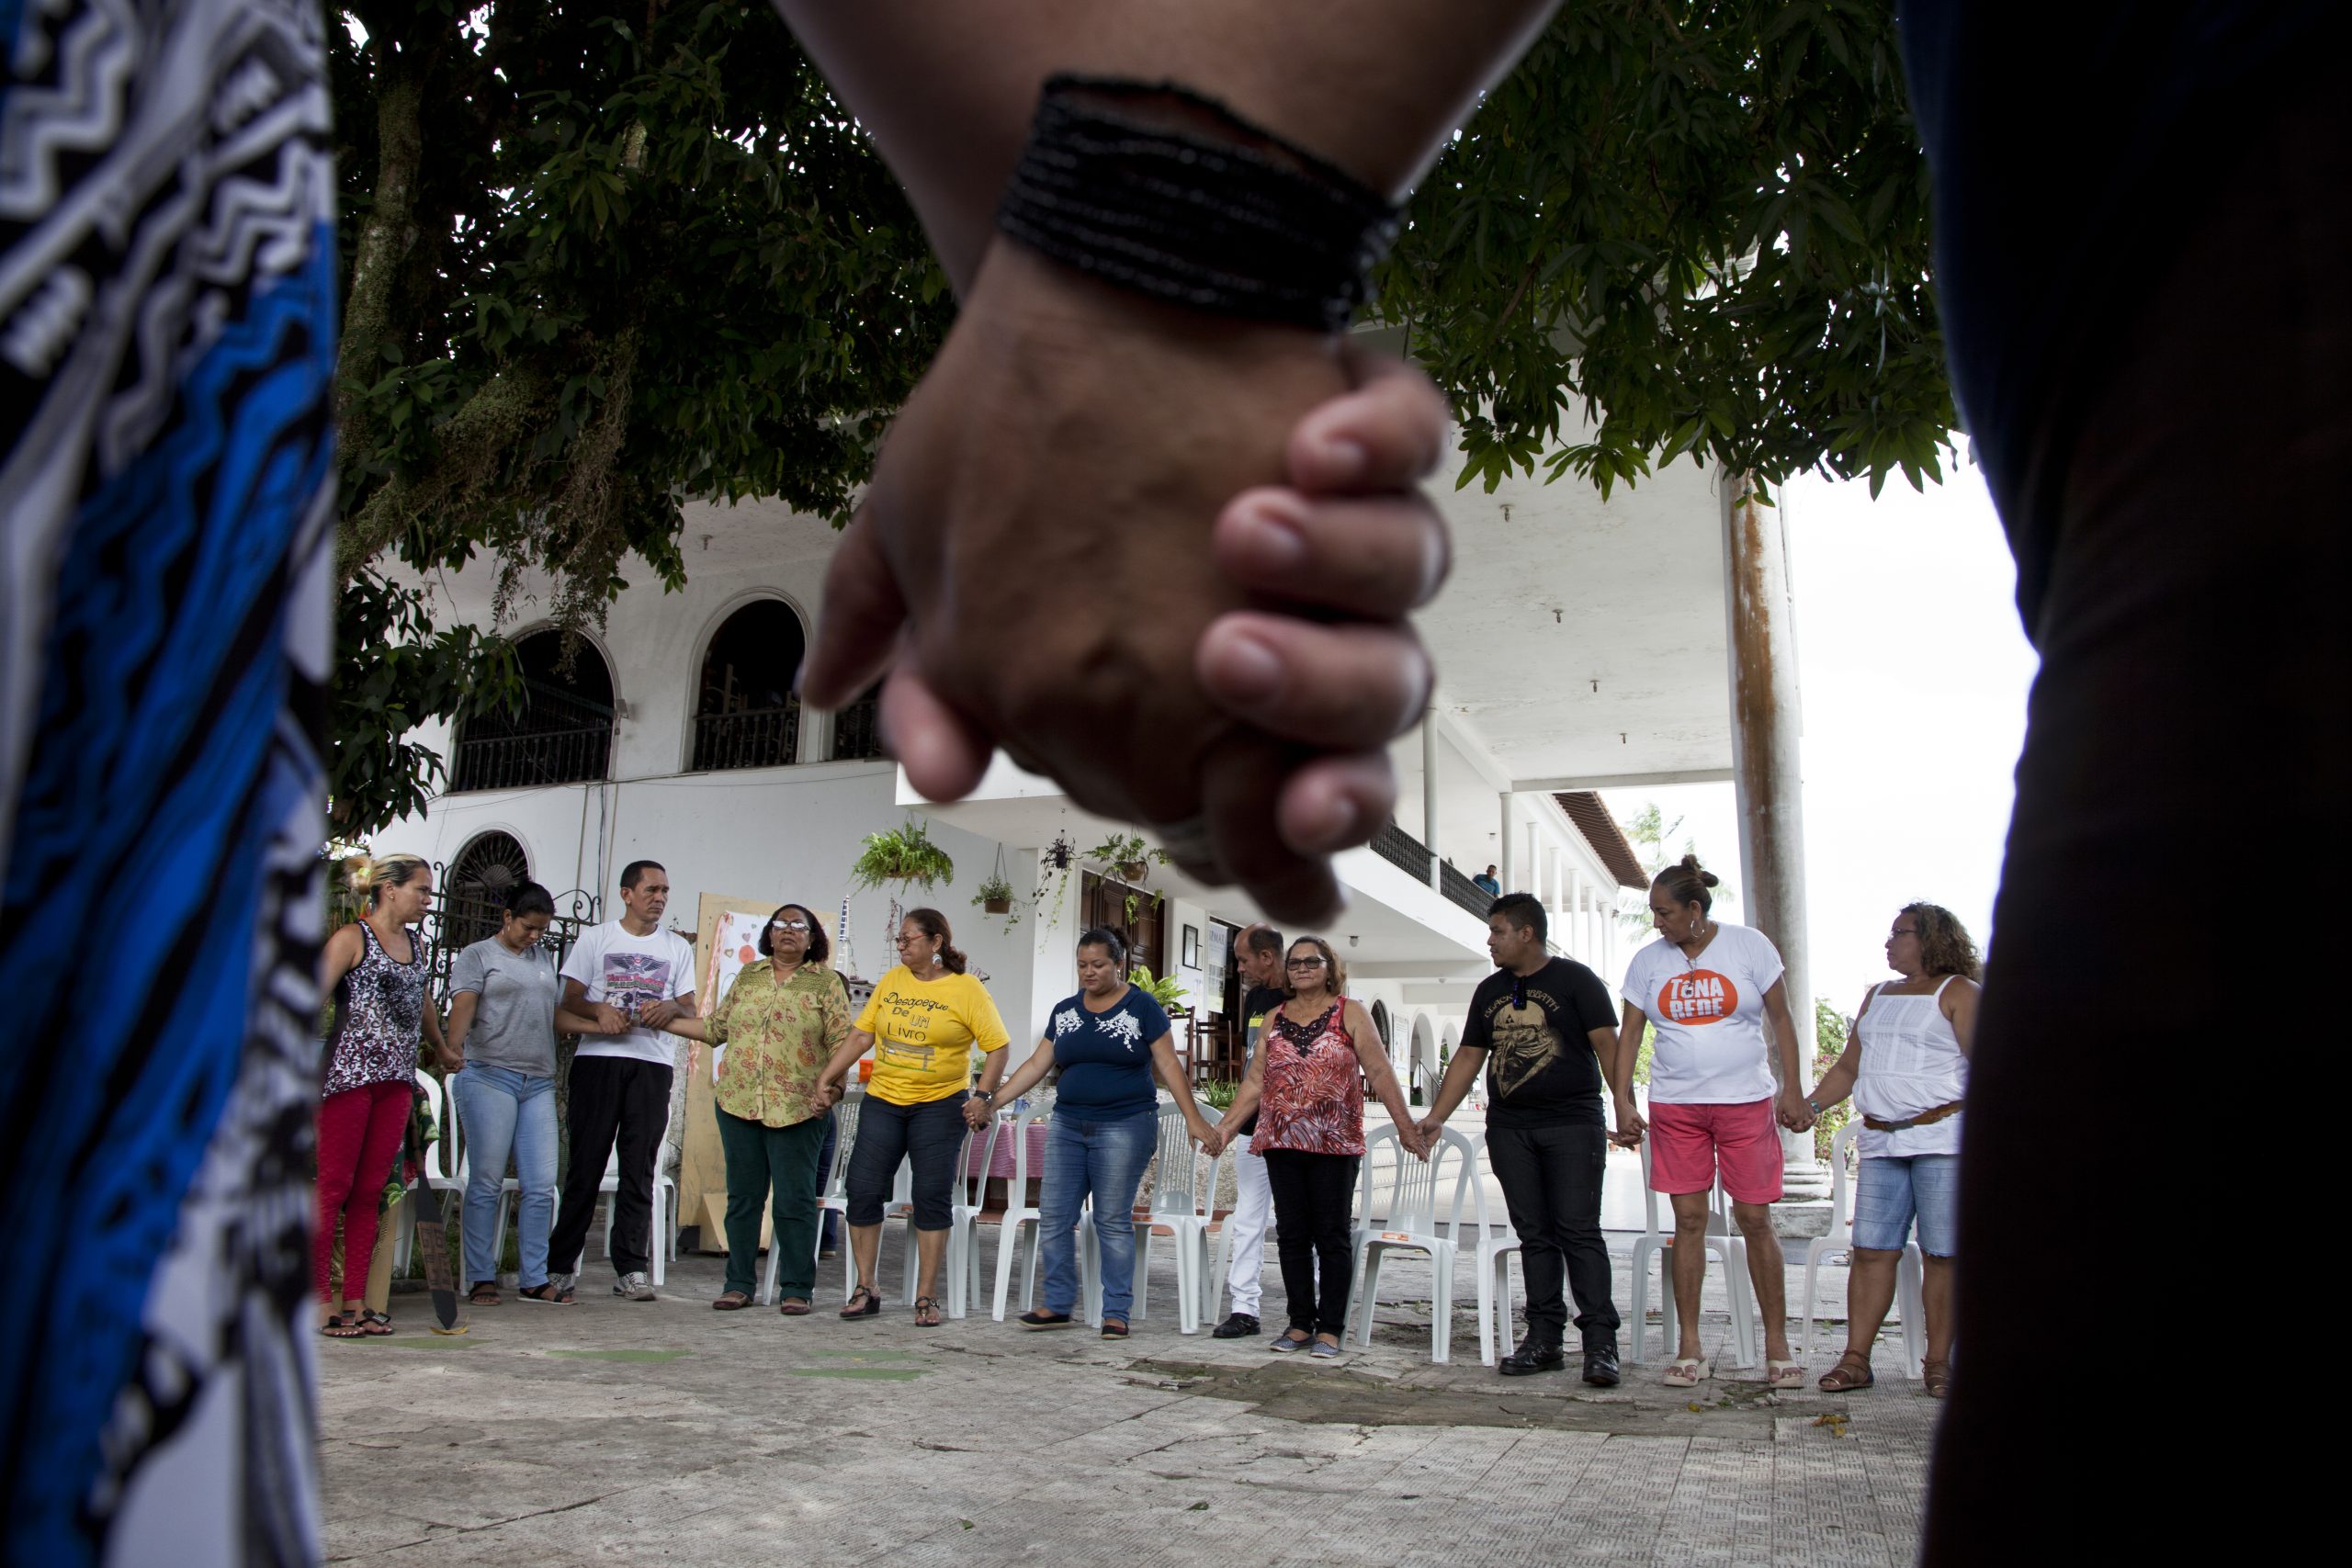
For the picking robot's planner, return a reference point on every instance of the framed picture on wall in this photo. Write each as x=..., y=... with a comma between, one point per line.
x=1192, y=947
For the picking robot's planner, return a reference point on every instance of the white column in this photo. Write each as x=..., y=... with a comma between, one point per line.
x=1503, y=871
x=1568, y=935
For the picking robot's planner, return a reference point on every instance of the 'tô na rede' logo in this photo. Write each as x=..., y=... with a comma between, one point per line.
x=1702, y=996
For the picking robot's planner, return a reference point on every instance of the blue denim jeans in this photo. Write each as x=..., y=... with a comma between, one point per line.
x=1894, y=1190
x=505, y=1112
x=1106, y=1161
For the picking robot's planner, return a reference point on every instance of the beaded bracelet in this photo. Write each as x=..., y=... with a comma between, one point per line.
x=1156, y=189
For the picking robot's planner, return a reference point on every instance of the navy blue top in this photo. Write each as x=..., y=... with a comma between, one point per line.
x=1105, y=1057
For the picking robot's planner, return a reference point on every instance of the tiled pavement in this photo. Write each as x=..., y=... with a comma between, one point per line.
x=625, y=1433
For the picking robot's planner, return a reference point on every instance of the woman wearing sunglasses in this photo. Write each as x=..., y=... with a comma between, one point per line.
x=780, y=1024
x=1317, y=1054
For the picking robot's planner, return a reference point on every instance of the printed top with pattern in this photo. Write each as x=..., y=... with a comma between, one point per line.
x=1105, y=1057
x=379, y=1018
x=778, y=1036
x=1911, y=1062
x=1312, y=1095
x=924, y=1033
x=629, y=973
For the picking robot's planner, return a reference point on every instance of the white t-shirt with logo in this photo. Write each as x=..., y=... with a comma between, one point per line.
x=632, y=972
x=1709, y=1016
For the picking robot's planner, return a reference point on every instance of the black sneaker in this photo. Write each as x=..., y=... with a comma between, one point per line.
x=1533, y=1356
x=1241, y=1325
x=1601, y=1363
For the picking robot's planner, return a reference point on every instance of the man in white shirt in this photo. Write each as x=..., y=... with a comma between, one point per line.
x=1258, y=954
x=632, y=977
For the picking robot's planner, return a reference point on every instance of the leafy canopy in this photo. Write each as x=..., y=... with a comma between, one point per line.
x=602, y=257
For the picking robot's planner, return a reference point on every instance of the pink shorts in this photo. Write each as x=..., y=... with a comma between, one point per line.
x=1688, y=1142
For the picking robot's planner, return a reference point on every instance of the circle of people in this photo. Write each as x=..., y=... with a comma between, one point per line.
x=1542, y=1027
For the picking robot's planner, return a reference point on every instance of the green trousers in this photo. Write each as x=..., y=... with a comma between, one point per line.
x=782, y=1161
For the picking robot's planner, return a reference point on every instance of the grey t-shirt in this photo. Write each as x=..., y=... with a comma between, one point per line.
x=514, y=1023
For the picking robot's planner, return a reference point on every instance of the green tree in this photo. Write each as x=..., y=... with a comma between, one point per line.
x=1650, y=833
x=1829, y=1033
x=601, y=257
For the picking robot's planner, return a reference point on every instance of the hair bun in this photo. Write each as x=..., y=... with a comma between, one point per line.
x=357, y=872
x=1691, y=863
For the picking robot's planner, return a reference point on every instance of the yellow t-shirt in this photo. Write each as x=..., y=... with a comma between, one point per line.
x=924, y=1033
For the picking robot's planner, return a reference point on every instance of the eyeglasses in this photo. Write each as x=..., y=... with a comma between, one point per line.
x=788, y=925
x=1316, y=963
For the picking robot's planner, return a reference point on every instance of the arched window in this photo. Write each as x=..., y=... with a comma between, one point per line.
x=473, y=896
x=563, y=733
x=746, y=715
x=1380, y=1023
x=857, y=729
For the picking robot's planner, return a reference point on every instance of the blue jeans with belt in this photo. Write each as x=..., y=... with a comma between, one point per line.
x=1106, y=1161
x=505, y=1112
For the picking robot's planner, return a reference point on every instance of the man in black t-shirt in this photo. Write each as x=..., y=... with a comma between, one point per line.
x=1542, y=1027
x=1258, y=954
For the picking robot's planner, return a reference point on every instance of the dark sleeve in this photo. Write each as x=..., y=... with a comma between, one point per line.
x=1474, y=1028
x=1592, y=1000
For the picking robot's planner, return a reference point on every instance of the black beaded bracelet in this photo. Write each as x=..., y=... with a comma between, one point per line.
x=1154, y=187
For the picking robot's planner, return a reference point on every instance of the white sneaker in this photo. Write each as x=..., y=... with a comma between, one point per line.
x=634, y=1288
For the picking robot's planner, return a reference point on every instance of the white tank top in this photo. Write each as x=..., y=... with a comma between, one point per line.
x=1911, y=1062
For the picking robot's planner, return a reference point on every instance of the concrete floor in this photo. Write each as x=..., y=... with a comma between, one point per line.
x=617, y=1432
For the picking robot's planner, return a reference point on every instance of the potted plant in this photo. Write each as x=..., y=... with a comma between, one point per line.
x=904, y=855
x=995, y=895
x=1128, y=854
x=1162, y=989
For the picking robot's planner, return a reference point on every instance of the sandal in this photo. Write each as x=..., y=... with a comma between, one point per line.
x=1784, y=1374
x=1688, y=1371
x=792, y=1306
x=483, y=1294
x=1936, y=1377
x=872, y=1307
x=549, y=1294
x=375, y=1324
x=734, y=1300
x=342, y=1326
x=1113, y=1329
x=1044, y=1320
x=926, y=1305
x=1851, y=1372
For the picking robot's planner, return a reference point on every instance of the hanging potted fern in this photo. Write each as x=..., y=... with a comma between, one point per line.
x=995, y=895
x=903, y=856
x=1128, y=854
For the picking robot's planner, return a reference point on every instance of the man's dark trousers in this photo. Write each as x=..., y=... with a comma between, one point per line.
x=1551, y=1179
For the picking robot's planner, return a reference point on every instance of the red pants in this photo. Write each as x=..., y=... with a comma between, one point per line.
x=359, y=1132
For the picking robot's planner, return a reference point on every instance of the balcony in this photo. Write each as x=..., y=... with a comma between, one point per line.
x=858, y=730
x=1403, y=850
x=754, y=737
x=557, y=738
x=1464, y=892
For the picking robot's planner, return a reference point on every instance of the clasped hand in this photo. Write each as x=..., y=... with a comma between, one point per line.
x=1160, y=555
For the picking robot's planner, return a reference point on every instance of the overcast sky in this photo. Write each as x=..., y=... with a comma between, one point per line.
x=1915, y=674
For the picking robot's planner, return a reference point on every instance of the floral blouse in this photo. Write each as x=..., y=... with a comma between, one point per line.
x=779, y=1038
x=1312, y=1095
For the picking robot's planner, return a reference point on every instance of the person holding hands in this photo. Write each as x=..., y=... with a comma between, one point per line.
x=1307, y=1082
x=1110, y=1040
x=1545, y=1030
x=1709, y=988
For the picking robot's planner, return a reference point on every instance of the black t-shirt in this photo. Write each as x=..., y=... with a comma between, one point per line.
x=1541, y=1069
x=1256, y=1007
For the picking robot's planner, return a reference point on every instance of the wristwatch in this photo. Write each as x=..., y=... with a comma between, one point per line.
x=985, y=1096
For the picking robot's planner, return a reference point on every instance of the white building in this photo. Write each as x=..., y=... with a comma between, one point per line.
x=1581, y=646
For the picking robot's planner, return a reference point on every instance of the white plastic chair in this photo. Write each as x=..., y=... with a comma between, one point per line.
x=1220, y=1255
x=1410, y=1224
x=1176, y=1202
x=963, y=1262
x=1492, y=1266
x=1841, y=1239
x=1018, y=1212
x=1723, y=1240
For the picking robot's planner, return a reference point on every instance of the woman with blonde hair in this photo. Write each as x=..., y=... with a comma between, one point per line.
x=1906, y=1067
x=375, y=970
x=1307, y=1082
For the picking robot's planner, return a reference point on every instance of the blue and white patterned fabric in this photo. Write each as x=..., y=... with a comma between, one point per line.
x=167, y=295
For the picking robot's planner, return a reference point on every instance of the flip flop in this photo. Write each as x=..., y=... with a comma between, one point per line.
x=341, y=1326
x=375, y=1324
x=1688, y=1371
x=1784, y=1374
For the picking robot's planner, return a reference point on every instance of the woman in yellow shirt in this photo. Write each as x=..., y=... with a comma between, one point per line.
x=925, y=1020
